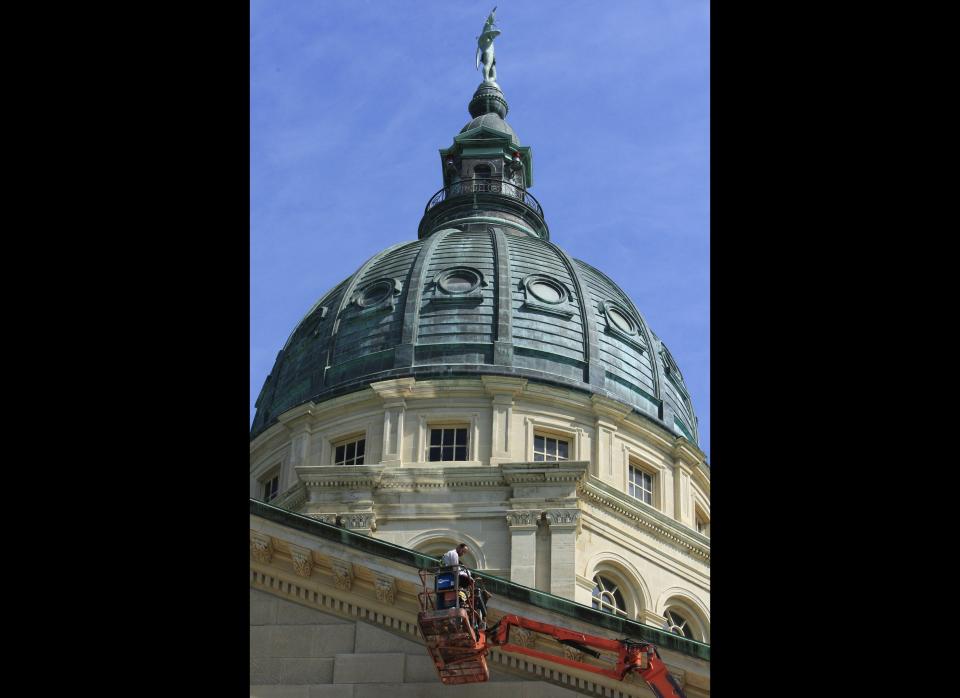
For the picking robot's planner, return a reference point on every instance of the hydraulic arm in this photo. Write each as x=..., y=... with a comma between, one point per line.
x=631, y=655
x=458, y=640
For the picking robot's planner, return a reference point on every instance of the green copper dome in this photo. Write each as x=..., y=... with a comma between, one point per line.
x=483, y=291
x=486, y=300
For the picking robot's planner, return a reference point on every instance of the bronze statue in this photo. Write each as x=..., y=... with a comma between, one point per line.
x=485, y=50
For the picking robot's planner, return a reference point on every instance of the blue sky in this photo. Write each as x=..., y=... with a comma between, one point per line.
x=351, y=100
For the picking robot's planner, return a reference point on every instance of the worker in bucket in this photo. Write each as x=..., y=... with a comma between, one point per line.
x=452, y=559
x=467, y=585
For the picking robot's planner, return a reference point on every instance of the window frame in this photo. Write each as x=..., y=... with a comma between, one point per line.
x=552, y=436
x=572, y=434
x=656, y=481
x=346, y=441
x=265, y=478
x=613, y=591
x=428, y=420
x=444, y=427
x=638, y=486
x=700, y=516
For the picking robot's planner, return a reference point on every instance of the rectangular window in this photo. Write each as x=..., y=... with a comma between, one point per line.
x=448, y=444
x=703, y=523
x=640, y=485
x=548, y=448
x=271, y=487
x=349, y=452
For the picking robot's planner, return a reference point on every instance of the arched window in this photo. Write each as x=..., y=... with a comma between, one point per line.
x=677, y=624
x=607, y=596
x=482, y=171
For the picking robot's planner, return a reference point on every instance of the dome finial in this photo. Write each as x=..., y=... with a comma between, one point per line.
x=485, y=49
x=488, y=97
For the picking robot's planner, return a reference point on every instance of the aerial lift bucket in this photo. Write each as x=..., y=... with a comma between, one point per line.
x=450, y=632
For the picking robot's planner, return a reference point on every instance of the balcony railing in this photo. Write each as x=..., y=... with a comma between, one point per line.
x=485, y=185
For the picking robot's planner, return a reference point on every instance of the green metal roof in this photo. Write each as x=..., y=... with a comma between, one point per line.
x=496, y=585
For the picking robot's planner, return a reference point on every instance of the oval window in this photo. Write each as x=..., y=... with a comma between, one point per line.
x=620, y=320
x=376, y=292
x=459, y=281
x=546, y=291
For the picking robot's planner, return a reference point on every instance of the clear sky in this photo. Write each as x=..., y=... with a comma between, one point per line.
x=350, y=101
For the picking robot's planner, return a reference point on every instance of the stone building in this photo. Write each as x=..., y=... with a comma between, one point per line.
x=477, y=384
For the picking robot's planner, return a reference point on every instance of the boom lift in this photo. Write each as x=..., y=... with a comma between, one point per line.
x=458, y=639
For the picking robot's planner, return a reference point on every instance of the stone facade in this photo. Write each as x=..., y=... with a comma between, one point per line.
x=314, y=636
x=552, y=526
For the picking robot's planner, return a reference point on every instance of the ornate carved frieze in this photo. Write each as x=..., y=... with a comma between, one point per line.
x=342, y=573
x=386, y=588
x=326, y=517
x=261, y=547
x=522, y=637
x=571, y=653
x=564, y=471
x=302, y=560
x=356, y=477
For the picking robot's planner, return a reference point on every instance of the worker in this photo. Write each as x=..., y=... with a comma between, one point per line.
x=452, y=559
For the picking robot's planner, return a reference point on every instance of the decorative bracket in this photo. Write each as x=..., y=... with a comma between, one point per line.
x=261, y=547
x=302, y=560
x=386, y=588
x=342, y=573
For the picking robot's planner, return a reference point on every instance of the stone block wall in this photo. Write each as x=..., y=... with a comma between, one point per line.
x=299, y=652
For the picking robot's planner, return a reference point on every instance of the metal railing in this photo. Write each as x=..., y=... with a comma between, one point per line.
x=485, y=185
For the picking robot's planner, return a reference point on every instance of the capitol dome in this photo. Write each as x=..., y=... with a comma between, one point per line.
x=483, y=291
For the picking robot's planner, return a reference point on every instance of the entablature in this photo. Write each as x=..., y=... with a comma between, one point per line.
x=597, y=492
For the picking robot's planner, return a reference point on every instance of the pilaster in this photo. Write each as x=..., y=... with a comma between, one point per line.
x=393, y=394
x=503, y=391
x=682, y=511
x=523, y=546
x=564, y=525
x=607, y=413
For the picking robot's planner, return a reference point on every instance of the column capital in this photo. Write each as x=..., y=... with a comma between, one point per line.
x=523, y=518
x=563, y=518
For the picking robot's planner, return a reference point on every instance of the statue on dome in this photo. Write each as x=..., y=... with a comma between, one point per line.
x=485, y=50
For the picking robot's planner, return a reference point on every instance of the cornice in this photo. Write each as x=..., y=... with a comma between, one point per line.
x=352, y=476
x=270, y=432
x=610, y=409
x=687, y=452
x=412, y=479
x=602, y=495
x=499, y=385
x=396, y=389
x=526, y=473
x=297, y=415
x=294, y=498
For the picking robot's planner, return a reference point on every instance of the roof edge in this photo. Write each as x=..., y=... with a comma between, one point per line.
x=497, y=585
